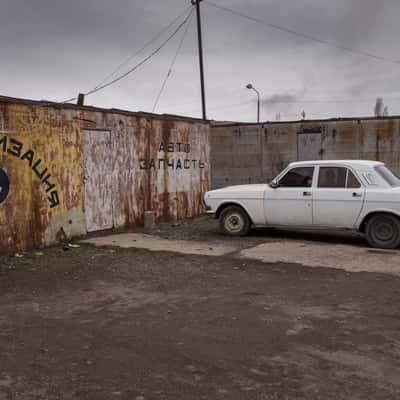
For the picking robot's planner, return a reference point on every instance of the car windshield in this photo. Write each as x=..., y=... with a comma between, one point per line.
x=390, y=177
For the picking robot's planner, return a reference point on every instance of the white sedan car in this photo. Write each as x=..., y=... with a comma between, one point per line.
x=362, y=196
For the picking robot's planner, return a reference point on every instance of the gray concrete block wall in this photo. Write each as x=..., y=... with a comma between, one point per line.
x=242, y=154
x=236, y=156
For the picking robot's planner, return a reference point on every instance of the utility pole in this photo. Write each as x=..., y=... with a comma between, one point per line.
x=203, y=92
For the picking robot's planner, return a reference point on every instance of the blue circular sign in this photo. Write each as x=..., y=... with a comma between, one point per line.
x=4, y=185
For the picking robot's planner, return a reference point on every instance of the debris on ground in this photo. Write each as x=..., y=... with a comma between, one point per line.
x=109, y=322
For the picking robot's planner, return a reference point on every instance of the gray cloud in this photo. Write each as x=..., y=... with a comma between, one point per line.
x=53, y=49
x=277, y=99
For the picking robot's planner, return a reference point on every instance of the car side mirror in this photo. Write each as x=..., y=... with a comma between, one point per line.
x=274, y=184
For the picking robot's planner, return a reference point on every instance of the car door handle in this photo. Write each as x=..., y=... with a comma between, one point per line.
x=306, y=193
x=357, y=194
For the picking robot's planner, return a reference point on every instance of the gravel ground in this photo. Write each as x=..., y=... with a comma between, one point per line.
x=105, y=323
x=206, y=229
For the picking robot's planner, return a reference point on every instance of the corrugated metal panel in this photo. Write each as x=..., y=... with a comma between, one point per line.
x=159, y=165
x=154, y=163
x=41, y=155
x=98, y=180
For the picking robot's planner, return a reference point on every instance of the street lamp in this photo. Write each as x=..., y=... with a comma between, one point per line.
x=251, y=87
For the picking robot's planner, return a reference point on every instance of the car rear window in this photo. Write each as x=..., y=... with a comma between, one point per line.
x=389, y=176
x=332, y=177
x=337, y=178
x=352, y=181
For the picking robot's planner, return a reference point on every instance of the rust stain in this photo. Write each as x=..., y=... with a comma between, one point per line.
x=166, y=135
x=38, y=153
x=172, y=186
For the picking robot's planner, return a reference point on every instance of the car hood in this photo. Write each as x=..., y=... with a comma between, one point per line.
x=239, y=191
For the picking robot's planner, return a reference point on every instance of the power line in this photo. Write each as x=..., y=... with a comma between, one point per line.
x=230, y=94
x=323, y=101
x=243, y=103
x=302, y=35
x=222, y=107
x=305, y=101
x=317, y=101
x=173, y=61
x=133, y=69
x=137, y=66
x=150, y=42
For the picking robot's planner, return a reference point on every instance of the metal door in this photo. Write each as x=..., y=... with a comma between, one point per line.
x=309, y=146
x=98, y=180
x=290, y=205
x=338, y=206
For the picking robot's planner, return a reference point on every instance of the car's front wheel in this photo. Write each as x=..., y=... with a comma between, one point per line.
x=383, y=231
x=234, y=221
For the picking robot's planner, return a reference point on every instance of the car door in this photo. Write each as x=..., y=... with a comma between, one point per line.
x=290, y=203
x=337, y=198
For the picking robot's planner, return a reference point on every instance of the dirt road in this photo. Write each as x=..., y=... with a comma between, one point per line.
x=102, y=323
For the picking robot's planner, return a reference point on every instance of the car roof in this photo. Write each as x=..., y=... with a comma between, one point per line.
x=355, y=163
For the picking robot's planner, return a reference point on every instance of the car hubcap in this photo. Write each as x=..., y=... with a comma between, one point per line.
x=384, y=231
x=234, y=223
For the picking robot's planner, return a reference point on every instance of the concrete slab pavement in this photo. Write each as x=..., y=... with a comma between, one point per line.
x=311, y=254
x=155, y=243
x=347, y=257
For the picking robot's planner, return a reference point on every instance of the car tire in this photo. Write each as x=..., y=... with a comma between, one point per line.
x=383, y=231
x=234, y=221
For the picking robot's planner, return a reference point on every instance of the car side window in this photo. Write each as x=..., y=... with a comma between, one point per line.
x=352, y=181
x=332, y=177
x=298, y=177
x=337, y=178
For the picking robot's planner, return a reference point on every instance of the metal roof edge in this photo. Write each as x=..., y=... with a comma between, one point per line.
x=45, y=103
x=216, y=124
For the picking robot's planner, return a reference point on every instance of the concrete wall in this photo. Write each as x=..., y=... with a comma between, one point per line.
x=243, y=154
x=158, y=163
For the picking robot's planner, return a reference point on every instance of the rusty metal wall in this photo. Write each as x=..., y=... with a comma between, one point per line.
x=158, y=163
x=98, y=165
x=41, y=153
x=256, y=153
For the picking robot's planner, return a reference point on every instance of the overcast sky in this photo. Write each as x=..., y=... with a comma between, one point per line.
x=53, y=49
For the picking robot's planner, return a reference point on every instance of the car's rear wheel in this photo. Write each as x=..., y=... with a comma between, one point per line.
x=383, y=231
x=234, y=221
